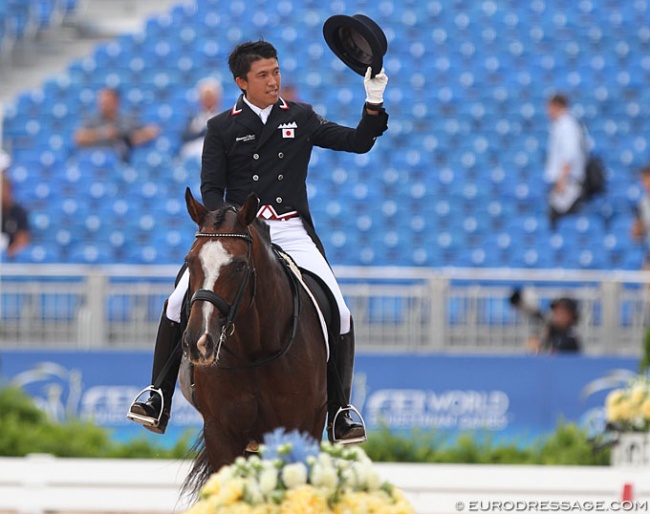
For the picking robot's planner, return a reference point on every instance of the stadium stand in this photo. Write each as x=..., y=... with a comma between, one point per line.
x=456, y=181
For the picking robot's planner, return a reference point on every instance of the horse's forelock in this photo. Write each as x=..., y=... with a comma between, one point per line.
x=220, y=215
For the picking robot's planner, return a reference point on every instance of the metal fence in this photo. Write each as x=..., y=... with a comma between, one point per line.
x=394, y=309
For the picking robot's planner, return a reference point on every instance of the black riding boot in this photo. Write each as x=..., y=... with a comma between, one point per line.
x=166, y=363
x=339, y=390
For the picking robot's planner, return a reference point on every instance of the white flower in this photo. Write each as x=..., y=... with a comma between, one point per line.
x=324, y=476
x=373, y=480
x=294, y=475
x=253, y=492
x=268, y=480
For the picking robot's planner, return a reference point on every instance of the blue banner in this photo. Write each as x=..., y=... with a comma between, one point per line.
x=513, y=398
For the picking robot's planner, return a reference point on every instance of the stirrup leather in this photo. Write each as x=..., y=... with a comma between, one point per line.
x=148, y=421
x=354, y=440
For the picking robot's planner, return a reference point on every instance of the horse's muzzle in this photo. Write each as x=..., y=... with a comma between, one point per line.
x=200, y=352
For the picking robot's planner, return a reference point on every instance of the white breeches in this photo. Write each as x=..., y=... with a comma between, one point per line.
x=292, y=237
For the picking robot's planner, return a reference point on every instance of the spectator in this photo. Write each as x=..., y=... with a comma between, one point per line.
x=15, y=223
x=209, y=93
x=641, y=224
x=290, y=93
x=556, y=331
x=566, y=160
x=110, y=129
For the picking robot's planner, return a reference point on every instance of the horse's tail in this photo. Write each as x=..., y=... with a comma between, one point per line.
x=200, y=472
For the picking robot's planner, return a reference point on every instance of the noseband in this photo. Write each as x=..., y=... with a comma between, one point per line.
x=229, y=311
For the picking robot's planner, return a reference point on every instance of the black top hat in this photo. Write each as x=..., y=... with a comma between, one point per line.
x=357, y=40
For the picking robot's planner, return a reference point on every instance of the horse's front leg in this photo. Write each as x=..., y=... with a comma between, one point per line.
x=221, y=446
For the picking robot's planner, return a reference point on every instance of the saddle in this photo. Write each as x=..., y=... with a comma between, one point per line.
x=319, y=292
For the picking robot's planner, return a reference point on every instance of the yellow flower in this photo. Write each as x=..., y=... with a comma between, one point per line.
x=212, y=486
x=304, y=499
x=230, y=492
x=638, y=393
x=614, y=397
x=645, y=409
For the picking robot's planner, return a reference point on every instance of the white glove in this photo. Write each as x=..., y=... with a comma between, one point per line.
x=375, y=86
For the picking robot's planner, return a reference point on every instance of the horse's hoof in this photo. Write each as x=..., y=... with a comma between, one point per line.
x=253, y=447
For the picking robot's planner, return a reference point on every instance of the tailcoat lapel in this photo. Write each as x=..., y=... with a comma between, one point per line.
x=278, y=115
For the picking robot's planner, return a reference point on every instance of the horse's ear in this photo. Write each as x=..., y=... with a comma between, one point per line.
x=248, y=212
x=194, y=207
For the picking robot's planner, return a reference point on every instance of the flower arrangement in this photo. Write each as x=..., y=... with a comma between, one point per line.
x=296, y=475
x=628, y=409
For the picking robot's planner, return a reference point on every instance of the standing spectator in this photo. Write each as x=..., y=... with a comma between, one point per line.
x=15, y=223
x=109, y=128
x=209, y=93
x=566, y=160
x=641, y=224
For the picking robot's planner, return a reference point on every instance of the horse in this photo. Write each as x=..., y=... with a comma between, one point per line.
x=253, y=338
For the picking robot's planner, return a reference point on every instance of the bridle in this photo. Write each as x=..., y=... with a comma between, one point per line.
x=229, y=311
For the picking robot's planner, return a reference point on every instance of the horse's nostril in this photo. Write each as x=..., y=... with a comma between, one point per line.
x=203, y=344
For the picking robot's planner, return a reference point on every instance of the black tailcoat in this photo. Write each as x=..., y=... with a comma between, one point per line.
x=243, y=155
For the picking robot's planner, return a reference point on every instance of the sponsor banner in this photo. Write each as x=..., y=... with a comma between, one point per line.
x=514, y=398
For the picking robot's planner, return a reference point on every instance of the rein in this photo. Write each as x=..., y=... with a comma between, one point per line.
x=230, y=310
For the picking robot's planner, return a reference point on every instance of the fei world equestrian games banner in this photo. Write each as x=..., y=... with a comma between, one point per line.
x=511, y=398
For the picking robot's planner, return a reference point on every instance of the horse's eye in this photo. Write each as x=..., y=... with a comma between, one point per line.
x=240, y=266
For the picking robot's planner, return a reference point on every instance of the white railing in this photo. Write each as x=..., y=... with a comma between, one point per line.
x=42, y=483
x=394, y=308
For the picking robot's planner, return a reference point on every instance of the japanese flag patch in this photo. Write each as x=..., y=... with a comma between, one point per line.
x=288, y=130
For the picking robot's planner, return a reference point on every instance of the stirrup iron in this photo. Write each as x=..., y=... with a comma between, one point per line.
x=147, y=421
x=354, y=440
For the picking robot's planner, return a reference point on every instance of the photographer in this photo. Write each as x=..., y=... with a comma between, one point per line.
x=557, y=333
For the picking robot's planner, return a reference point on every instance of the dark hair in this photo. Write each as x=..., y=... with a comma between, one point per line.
x=645, y=170
x=559, y=99
x=244, y=54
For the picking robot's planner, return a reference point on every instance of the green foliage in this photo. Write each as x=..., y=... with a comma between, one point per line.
x=568, y=445
x=25, y=429
x=645, y=359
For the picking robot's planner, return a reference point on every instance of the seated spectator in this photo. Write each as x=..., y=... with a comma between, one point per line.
x=209, y=93
x=290, y=93
x=109, y=128
x=641, y=224
x=566, y=160
x=15, y=223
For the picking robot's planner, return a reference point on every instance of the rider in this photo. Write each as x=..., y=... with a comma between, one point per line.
x=263, y=144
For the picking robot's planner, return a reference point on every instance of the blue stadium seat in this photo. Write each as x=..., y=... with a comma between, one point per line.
x=457, y=180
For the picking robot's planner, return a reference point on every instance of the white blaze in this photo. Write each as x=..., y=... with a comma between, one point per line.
x=213, y=256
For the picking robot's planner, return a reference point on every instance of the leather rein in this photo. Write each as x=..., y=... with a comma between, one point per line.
x=229, y=311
